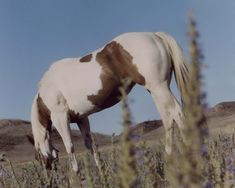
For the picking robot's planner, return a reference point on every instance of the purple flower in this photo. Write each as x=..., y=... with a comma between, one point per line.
x=2, y=173
x=230, y=164
x=204, y=150
x=209, y=184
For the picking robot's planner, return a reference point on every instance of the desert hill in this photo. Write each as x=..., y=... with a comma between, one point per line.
x=14, y=143
x=220, y=119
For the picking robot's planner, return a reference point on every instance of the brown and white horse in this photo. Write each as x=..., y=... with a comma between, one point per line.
x=74, y=88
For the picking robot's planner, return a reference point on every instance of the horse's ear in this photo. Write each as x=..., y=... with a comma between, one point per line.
x=30, y=139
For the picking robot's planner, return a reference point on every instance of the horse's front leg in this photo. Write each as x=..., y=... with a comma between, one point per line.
x=61, y=123
x=84, y=127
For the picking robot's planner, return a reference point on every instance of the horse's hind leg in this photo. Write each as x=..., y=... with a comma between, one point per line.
x=169, y=110
x=84, y=127
x=61, y=123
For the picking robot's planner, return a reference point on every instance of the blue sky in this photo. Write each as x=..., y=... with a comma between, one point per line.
x=33, y=34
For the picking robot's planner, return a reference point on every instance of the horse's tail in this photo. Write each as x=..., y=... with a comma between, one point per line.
x=179, y=66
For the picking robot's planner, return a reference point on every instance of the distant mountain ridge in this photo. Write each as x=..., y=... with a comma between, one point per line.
x=223, y=108
x=14, y=122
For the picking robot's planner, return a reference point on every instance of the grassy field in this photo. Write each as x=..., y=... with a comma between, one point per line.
x=147, y=166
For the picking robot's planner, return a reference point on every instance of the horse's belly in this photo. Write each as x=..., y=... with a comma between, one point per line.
x=77, y=99
x=109, y=95
x=106, y=96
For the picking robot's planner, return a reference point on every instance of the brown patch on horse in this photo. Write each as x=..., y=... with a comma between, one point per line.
x=116, y=65
x=116, y=60
x=86, y=58
x=73, y=116
x=44, y=114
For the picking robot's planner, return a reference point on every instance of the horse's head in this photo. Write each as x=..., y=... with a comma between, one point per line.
x=45, y=160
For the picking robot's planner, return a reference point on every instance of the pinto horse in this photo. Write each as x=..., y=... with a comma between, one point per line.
x=74, y=88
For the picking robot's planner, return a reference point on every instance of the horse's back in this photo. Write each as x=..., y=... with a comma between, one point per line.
x=87, y=82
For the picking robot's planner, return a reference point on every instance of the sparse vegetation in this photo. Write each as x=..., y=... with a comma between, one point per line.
x=201, y=161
